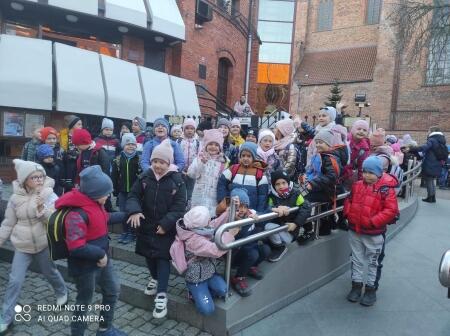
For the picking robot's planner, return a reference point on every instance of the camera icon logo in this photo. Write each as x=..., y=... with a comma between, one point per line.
x=22, y=313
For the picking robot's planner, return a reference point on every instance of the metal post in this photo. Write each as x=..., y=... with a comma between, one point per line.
x=317, y=222
x=409, y=184
x=227, y=275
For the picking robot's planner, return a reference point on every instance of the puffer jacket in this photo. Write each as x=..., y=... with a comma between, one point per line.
x=288, y=159
x=206, y=177
x=370, y=208
x=23, y=224
x=322, y=175
x=431, y=166
x=201, y=251
x=190, y=149
x=162, y=202
x=110, y=144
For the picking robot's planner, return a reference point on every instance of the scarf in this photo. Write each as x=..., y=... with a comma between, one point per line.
x=237, y=141
x=264, y=155
x=129, y=156
x=283, y=194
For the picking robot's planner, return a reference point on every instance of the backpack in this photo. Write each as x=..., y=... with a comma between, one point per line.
x=177, y=253
x=441, y=151
x=56, y=232
x=234, y=169
x=394, y=170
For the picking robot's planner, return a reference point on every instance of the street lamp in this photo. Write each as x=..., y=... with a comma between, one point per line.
x=361, y=101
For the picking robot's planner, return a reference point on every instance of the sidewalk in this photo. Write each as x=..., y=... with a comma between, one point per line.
x=410, y=299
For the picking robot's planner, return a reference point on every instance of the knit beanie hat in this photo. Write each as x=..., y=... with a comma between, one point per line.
x=196, y=218
x=204, y=125
x=235, y=122
x=213, y=135
x=70, y=120
x=128, y=138
x=340, y=135
x=407, y=140
x=163, y=151
x=253, y=131
x=377, y=137
x=249, y=147
x=360, y=124
x=163, y=122
x=94, y=183
x=242, y=194
x=223, y=121
x=25, y=169
x=141, y=122
x=264, y=133
x=373, y=164
x=174, y=128
x=392, y=139
x=107, y=123
x=285, y=126
x=44, y=151
x=277, y=175
x=189, y=122
x=46, y=131
x=81, y=136
x=326, y=136
x=331, y=111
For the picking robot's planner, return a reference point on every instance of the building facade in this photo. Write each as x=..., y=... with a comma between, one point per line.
x=352, y=42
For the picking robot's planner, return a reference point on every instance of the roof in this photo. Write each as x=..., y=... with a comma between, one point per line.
x=344, y=65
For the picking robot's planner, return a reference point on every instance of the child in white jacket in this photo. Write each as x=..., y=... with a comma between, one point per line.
x=206, y=170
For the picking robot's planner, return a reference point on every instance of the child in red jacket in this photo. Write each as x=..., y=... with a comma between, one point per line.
x=371, y=206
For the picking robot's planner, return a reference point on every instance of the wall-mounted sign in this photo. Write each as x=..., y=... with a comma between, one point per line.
x=13, y=124
x=33, y=121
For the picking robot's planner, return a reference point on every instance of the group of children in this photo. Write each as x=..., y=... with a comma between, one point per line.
x=182, y=187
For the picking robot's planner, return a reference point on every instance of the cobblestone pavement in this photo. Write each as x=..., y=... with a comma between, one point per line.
x=36, y=291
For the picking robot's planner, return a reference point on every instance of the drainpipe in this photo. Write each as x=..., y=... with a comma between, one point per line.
x=249, y=50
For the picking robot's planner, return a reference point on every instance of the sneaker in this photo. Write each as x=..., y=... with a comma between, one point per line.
x=160, y=309
x=128, y=238
x=240, y=285
x=305, y=238
x=111, y=332
x=370, y=296
x=255, y=273
x=122, y=237
x=277, y=253
x=355, y=293
x=62, y=300
x=151, y=287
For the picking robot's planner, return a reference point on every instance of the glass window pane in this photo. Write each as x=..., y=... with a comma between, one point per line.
x=275, y=31
x=276, y=10
x=275, y=53
x=325, y=15
x=373, y=11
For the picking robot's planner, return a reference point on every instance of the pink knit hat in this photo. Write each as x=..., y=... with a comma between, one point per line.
x=340, y=135
x=360, y=124
x=235, y=122
x=189, y=122
x=377, y=137
x=196, y=218
x=285, y=126
x=212, y=135
x=163, y=151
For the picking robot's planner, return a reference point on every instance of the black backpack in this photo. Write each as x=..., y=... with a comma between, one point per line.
x=56, y=232
x=441, y=151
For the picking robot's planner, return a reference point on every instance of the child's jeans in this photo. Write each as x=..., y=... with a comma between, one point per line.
x=108, y=281
x=20, y=264
x=203, y=293
x=250, y=256
x=280, y=238
x=366, y=249
x=160, y=271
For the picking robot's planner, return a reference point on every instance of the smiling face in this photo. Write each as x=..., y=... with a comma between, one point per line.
x=225, y=130
x=213, y=148
x=130, y=148
x=266, y=143
x=322, y=146
x=160, y=131
x=360, y=133
x=159, y=166
x=51, y=140
x=235, y=130
x=324, y=119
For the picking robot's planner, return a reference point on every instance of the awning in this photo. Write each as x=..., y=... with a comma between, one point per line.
x=122, y=87
x=345, y=66
x=185, y=97
x=25, y=72
x=166, y=18
x=79, y=80
x=157, y=92
x=131, y=11
x=84, y=6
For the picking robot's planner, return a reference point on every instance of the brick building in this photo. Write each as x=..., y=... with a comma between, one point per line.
x=351, y=41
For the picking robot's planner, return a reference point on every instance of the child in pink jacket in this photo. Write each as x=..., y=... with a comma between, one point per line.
x=196, y=230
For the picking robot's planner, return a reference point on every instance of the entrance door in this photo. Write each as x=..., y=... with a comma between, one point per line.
x=222, y=82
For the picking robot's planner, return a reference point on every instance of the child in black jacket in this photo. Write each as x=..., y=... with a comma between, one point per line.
x=283, y=196
x=45, y=156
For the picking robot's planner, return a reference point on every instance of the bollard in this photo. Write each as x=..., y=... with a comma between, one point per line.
x=409, y=184
x=227, y=275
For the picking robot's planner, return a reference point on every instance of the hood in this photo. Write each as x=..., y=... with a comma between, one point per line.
x=438, y=136
x=20, y=190
x=184, y=234
x=340, y=151
x=387, y=180
x=74, y=198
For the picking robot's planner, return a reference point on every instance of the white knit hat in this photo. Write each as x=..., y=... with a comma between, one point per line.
x=26, y=168
x=107, y=123
x=163, y=151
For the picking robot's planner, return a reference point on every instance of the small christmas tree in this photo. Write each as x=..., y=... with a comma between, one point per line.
x=335, y=96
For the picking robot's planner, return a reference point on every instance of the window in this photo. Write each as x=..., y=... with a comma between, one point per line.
x=373, y=11
x=438, y=63
x=325, y=15
x=202, y=71
x=20, y=30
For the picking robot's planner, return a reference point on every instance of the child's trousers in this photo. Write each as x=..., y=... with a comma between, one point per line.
x=204, y=291
x=366, y=249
